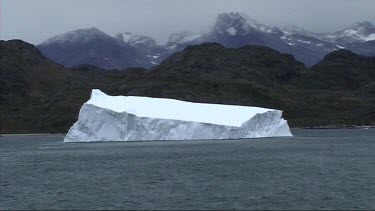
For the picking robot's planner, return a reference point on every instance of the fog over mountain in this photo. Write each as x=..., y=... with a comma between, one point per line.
x=37, y=20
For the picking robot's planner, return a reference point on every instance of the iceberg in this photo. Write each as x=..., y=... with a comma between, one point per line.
x=131, y=118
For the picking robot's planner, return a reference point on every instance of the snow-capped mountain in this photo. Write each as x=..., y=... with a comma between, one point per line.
x=75, y=37
x=356, y=33
x=237, y=30
x=359, y=32
x=358, y=38
x=309, y=40
x=234, y=30
x=91, y=46
x=240, y=24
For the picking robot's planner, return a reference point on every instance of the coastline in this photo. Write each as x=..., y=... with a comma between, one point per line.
x=293, y=128
x=31, y=134
x=337, y=127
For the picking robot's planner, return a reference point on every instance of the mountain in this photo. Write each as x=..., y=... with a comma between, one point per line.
x=359, y=38
x=236, y=30
x=154, y=54
x=91, y=46
x=358, y=32
x=307, y=49
x=364, y=48
x=37, y=95
x=233, y=30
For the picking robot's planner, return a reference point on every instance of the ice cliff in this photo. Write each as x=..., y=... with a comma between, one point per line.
x=130, y=118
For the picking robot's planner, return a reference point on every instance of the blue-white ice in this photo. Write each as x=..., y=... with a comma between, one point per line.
x=130, y=118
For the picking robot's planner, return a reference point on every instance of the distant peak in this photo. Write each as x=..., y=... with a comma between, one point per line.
x=76, y=36
x=93, y=29
x=232, y=17
x=85, y=30
x=235, y=23
x=363, y=24
x=362, y=27
x=360, y=31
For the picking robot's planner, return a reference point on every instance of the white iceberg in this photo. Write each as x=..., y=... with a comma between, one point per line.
x=130, y=118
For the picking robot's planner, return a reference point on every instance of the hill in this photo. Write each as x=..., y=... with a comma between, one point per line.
x=37, y=95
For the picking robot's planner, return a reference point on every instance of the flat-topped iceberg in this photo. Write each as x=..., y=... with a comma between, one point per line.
x=130, y=118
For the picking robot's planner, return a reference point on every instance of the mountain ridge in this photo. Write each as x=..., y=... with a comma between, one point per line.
x=231, y=29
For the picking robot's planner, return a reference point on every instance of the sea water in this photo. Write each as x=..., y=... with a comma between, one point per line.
x=315, y=169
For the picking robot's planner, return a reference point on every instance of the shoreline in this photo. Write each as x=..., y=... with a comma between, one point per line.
x=337, y=127
x=31, y=134
x=292, y=128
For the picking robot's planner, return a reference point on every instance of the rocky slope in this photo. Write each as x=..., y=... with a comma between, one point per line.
x=37, y=95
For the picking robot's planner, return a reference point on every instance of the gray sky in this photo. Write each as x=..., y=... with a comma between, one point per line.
x=37, y=20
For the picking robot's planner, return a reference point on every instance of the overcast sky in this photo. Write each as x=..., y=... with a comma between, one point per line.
x=37, y=20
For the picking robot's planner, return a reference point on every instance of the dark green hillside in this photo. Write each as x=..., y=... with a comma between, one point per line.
x=37, y=95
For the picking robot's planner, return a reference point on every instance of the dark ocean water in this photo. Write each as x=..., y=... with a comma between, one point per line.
x=316, y=169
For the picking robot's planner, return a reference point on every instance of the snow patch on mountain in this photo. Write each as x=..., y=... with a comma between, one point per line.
x=341, y=47
x=136, y=40
x=369, y=37
x=231, y=31
x=183, y=37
